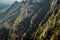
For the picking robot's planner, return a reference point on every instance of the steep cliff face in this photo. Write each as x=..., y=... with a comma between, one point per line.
x=32, y=20
x=33, y=31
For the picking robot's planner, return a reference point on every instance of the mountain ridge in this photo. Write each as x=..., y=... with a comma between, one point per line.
x=32, y=20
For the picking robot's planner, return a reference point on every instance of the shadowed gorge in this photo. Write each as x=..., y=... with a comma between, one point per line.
x=31, y=20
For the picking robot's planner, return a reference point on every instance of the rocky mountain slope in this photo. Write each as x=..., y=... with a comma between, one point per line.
x=31, y=20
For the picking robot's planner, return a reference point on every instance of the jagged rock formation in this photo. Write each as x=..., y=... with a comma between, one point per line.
x=32, y=20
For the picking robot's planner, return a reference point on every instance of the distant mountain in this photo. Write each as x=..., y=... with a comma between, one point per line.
x=3, y=7
x=10, y=10
x=31, y=20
